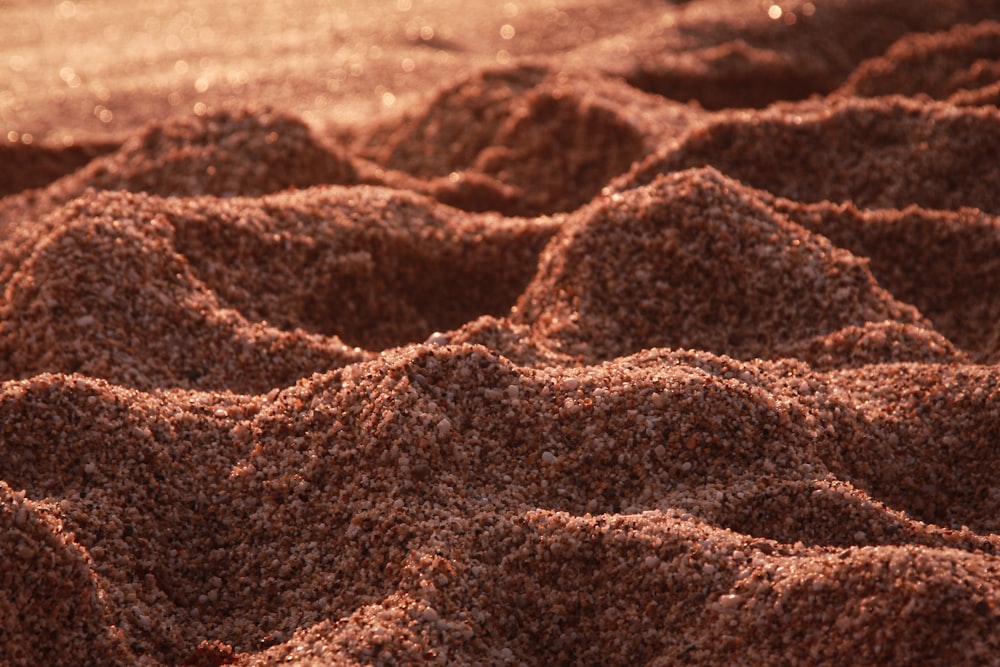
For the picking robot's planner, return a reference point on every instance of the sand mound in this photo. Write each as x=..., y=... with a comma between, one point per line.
x=223, y=154
x=855, y=151
x=690, y=261
x=524, y=140
x=277, y=388
x=163, y=289
x=959, y=65
x=751, y=55
x=106, y=294
x=472, y=524
x=942, y=262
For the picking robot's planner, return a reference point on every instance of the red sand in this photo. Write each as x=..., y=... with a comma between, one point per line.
x=541, y=332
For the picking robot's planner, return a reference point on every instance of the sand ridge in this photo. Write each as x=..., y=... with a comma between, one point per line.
x=659, y=337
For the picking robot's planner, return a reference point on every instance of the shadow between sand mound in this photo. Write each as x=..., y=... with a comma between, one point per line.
x=375, y=267
x=734, y=74
x=39, y=165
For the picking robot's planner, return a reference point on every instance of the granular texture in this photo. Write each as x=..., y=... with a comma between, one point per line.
x=516, y=333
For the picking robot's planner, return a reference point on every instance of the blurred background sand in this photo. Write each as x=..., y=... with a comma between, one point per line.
x=83, y=71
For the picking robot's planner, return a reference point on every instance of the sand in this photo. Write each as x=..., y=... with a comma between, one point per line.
x=541, y=333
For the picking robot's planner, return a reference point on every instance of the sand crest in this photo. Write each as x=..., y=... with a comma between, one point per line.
x=537, y=333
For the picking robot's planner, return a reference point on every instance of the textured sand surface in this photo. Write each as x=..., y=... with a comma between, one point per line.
x=543, y=333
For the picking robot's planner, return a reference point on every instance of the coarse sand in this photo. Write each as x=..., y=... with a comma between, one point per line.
x=543, y=332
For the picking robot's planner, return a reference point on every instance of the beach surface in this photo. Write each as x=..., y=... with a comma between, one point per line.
x=542, y=332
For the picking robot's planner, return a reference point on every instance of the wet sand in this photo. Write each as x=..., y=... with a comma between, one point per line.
x=530, y=333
